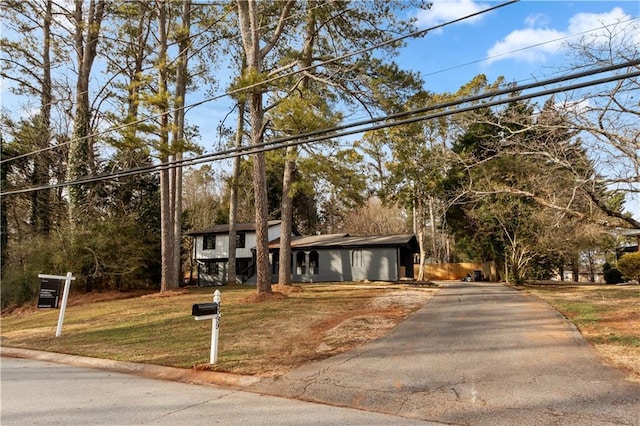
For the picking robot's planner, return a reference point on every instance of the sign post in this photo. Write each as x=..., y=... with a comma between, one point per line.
x=50, y=293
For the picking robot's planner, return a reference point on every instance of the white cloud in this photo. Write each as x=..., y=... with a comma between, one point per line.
x=517, y=45
x=448, y=10
x=594, y=22
x=537, y=43
x=535, y=20
x=593, y=28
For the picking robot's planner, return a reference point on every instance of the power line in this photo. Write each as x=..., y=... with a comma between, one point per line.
x=414, y=34
x=454, y=67
x=373, y=124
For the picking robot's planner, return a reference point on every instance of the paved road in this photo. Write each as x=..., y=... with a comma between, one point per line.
x=44, y=393
x=477, y=354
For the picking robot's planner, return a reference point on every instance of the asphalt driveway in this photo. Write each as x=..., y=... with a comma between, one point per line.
x=477, y=354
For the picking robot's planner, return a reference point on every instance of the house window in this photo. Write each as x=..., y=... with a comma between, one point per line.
x=356, y=258
x=211, y=268
x=208, y=242
x=314, y=262
x=240, y=240
x=300, y=263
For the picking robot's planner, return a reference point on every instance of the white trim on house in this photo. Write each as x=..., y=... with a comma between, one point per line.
x=213, y=263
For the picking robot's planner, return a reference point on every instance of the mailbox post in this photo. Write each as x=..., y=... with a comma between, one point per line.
x=203, y=311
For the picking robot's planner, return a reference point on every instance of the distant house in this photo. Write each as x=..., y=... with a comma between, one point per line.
x=629, y=247
x=315, y=258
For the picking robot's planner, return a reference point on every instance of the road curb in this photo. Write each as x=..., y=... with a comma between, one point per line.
x=159, y=372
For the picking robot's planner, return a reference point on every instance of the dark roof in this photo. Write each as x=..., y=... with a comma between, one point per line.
x=344, y=240
x=224, y=229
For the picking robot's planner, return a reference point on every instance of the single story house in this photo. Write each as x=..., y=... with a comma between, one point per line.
x=315, y=258
x=340, y=257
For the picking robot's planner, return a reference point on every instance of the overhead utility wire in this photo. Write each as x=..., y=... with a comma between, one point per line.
x=331, y=133
x=479, y=97
x=335, y=132
x=319, y=136
x=233, y=152
x=417, y=33
x=454, y=67
x=279, y=144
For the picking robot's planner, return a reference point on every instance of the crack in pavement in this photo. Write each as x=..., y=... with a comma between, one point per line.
x=464, y=358
x=189, y=407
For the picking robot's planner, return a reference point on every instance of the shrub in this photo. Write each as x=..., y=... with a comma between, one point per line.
x=104, y=255
x=629, y=265
x=18, y=289
x=612, y=276
x=20, y=281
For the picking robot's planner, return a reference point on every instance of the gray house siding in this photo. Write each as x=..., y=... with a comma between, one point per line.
x=346, y=264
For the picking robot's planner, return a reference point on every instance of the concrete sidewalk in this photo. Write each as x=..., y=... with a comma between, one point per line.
x=477, y=354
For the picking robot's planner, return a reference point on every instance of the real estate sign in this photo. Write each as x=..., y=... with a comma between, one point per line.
x=49, y=296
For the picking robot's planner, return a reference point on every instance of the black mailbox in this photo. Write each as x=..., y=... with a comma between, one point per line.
x=201, y=309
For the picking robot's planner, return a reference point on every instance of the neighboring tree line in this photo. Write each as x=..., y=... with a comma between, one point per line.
x=107, y=85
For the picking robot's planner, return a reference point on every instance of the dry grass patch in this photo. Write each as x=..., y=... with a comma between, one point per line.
x=265, y=336
x=608, y=316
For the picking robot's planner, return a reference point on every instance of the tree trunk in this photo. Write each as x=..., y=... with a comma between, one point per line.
x=4, y=220
x=250, y=31
x=135, y=79
x=575, y=269
x=419, y=214
x=167, y=190
x=291, y=158
x=233, y=197
x=166, y=233
x=41, y=200
x=248, y=16
x=263, y=270
x=178, y=137
x=81, y=147
x=434, y=230
x=286, y=216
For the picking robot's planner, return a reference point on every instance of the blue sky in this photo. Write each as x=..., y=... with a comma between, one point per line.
x=514, y=41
